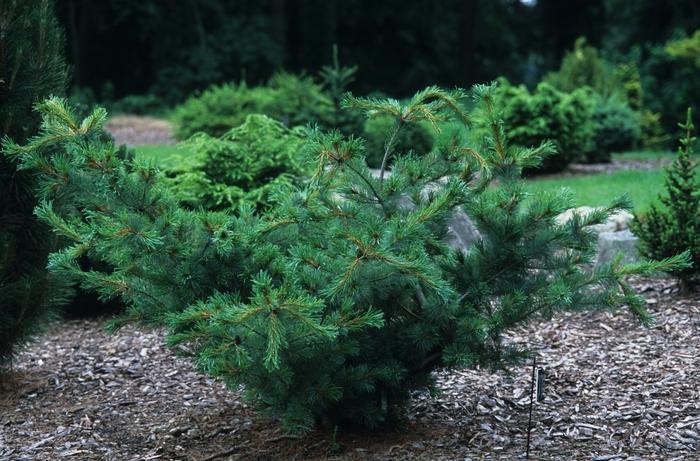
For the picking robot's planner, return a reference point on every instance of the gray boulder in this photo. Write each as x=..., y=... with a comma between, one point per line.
x=616, y=222
x=612, y=243
x=461, y=231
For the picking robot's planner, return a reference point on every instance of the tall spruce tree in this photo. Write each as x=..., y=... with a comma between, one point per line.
x=336, y=303
x=32, y=67
x=675, y=227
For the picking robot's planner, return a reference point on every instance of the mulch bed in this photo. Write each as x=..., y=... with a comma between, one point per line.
x=614, y=391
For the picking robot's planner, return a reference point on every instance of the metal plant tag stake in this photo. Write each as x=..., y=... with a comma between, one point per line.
x=538, y=377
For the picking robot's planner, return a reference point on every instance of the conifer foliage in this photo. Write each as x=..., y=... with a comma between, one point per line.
x=676, y=227
x=340, y=300
x=242, y=166
x=32, y=67
x=115, y=210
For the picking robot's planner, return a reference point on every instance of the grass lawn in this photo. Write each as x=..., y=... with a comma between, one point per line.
x=645, y=155
x=642, y=186
x=164, y=155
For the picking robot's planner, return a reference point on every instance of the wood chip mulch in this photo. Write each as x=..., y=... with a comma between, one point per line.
x=613, y=391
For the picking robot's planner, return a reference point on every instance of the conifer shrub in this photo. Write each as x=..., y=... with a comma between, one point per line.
x=546, y=113
x=616, y=128
x=416, y=138
x=652, y=131
x=675, y=226
x=613, y=86
x=585, y=67
x=291, y=99
x=337, y=302
x=299, y=100
x=335, y=80
x=652, y=135
x=32, y=67
x=241, y=167
x=686, y=48
x=219, y=108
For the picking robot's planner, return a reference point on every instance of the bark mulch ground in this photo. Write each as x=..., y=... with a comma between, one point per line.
x=613, y=391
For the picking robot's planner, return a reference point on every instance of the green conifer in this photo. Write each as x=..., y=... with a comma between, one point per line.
x=32, y=67
x=242, y=166
x=335, y=80
x=340, y=300
x=676, y=226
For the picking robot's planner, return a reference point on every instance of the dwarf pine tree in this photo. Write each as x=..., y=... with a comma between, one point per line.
x=342, y=298
x=675, y=227
x=32, y=67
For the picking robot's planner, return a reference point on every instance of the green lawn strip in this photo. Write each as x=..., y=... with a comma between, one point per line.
x=165, y=155
x=642, y=186
x=645, y=155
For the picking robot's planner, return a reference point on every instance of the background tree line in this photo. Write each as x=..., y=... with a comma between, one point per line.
x=170, y=49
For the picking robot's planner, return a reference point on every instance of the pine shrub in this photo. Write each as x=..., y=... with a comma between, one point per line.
x=332, y=306
x=652, y=133
x=241, y=167
x=32, y=66
x=675, y=226
x=585, y=67
x=546, y=113
x=616, y=128
x=290, y=99
x=335, y=80
x=415, y=138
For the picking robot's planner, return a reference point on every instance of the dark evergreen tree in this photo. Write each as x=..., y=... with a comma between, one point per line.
x=675, y=226
x=32, y=67
x=335, y=304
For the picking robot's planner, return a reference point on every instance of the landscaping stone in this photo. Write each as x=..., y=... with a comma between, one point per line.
x=616, y=222
x=612, y=243
x=568, y=214
x=614, y=235
x=462, y=233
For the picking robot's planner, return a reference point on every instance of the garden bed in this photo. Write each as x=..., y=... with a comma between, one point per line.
x=614, y=390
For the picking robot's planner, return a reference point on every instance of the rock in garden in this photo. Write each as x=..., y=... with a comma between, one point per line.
x=616, y=222
x=612, y=243
x=462, y=232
